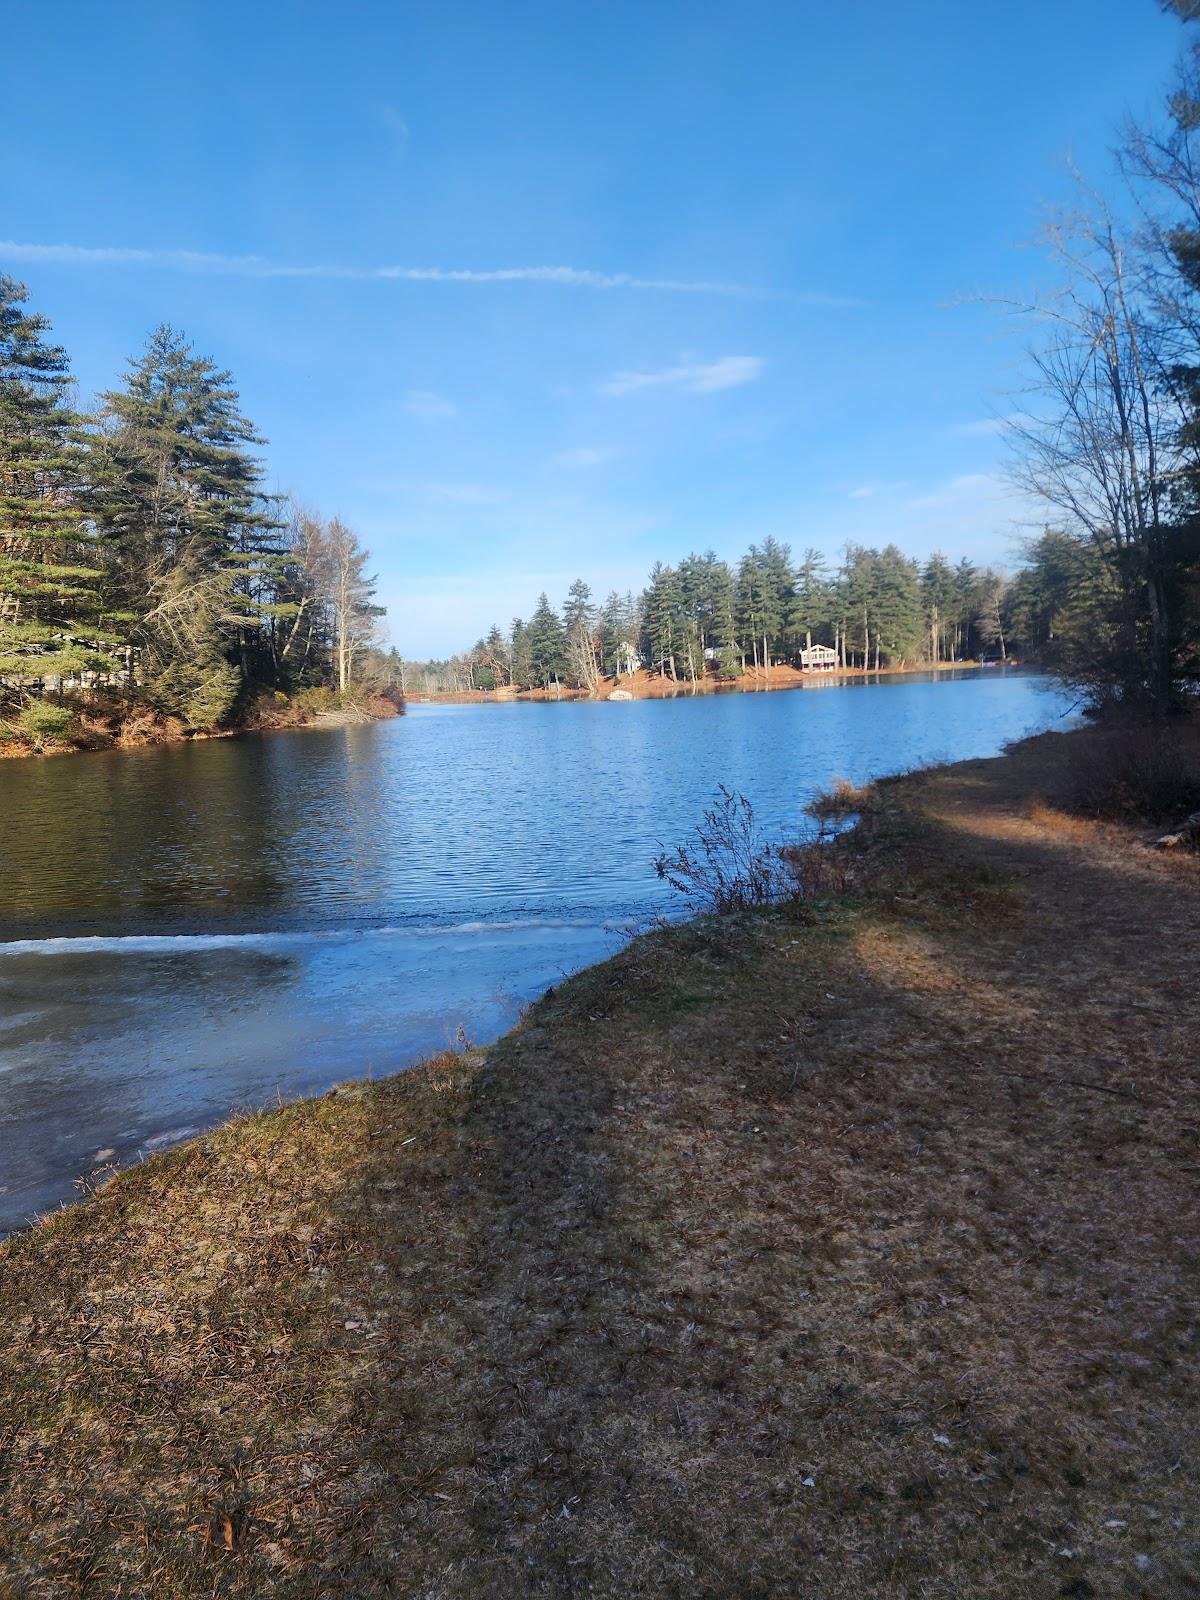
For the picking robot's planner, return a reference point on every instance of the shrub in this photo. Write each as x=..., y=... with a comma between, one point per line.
x=1135, y=771
x=842, y=800
x=43, y=725
x=200, y=694
x=731, y=866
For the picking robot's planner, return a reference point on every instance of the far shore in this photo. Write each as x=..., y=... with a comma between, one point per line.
x=141, y=727
x=648, y=685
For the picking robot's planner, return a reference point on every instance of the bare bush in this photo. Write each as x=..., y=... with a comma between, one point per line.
x=1137, y=772
x=817, y=868
x=730, y=866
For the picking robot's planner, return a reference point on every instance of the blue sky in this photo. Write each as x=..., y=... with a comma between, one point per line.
x=539, y=290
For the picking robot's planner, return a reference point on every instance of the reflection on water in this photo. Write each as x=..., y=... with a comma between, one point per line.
x=185, y=931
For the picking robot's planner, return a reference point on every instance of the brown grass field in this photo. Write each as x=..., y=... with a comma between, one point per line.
x=847, y=1250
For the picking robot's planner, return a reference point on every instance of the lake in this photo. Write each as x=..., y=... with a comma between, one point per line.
x=190, y=930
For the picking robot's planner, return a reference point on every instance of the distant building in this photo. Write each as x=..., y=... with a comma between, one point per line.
x=626, y=658
x=818, y=658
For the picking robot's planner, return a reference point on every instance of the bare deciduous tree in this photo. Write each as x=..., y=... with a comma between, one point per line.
x=1103, y=439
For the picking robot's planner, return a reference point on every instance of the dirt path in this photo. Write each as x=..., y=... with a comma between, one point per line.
x=851, y=1254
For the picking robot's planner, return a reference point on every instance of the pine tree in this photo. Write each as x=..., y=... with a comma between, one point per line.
x=618, y=632
x=899, y=626
x=497, y=657
x=775, y=560
x=692, y=618
x=547, y=645
x=660, y=618
x=521, y=655
x=939, y=593
x=579, y=628
x=811, y=607
x=196, y=545
x=53, y=621
x=719, y=624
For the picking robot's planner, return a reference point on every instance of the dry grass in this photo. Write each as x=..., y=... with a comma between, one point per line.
x=848, y=1259
x=841, y=799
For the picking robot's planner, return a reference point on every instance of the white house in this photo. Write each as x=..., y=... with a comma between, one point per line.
x=818, y=658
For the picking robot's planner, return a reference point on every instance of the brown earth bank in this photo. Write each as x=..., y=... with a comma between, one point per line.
x=648, y=685
x=119, y=727
x=844, y=1249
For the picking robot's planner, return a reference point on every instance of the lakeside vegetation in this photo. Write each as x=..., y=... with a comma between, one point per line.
x=845, y=1245
x=150, y=586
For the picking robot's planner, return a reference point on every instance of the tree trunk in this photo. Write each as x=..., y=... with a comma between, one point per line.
x=1160, y=646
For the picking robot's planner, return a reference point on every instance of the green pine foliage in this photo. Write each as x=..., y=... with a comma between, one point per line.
x=54, y=624
x=141, y=560
x=547, y=642
x=702, y=619
x=194, y=545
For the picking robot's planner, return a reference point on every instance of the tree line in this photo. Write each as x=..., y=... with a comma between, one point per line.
x=141, y=557
x=705, y=617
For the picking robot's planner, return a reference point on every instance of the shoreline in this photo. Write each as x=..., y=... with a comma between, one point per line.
x=143, y=729
x=647, y=685
x=808, y=1235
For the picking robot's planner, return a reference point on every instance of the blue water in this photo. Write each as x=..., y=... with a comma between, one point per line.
x=187, y=931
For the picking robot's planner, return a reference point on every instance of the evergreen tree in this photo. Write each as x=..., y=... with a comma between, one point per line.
x=899, y=628
x=521, y=672
x=693, y=618
x=748, y=606
x=547, y=645
x=775, y=560
x=858, y=601
x=497, y=656
x=660, y=618
x=811, y=609
x=54, y=623
x=764, y=599
x=718, y=613
x=619, y=634
x=939, y=593
x=196, y=546
x=579, y=630
x=1064, y=609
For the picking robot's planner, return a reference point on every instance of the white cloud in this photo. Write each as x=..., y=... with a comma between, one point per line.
x=698, y=377
x=429, y=407
x=570, y=460
x=198, y=261
x=868, y=491
x=465, y=494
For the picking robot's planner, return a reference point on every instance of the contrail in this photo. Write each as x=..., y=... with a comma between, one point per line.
x=200, y=261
